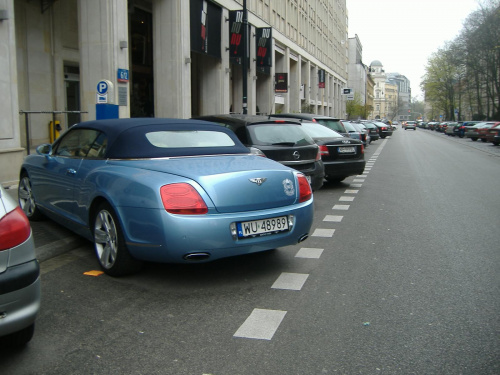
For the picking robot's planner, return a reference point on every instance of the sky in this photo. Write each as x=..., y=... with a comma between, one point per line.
x=403, y=34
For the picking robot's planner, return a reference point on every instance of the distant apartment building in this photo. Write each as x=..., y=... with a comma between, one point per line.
x=392, y=94
x=404, y=95
x=357, y=70
x=163, y=58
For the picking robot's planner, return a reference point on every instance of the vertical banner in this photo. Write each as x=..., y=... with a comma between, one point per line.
x=321, y=78
x=281, y=82
x=264, y=46
x=236, y=36
x=205, y=18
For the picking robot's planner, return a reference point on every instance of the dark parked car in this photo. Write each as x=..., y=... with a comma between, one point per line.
x=331, y=122
x=373, y=129
x=19, y=274
x=282, y=140
x=384, y=130
x=342, y=156
x=354, y=132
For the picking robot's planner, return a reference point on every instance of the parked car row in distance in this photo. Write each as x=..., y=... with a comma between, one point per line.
x=486, y=131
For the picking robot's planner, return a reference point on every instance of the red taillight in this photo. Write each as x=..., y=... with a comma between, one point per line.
x=182, y=199
x=14, y=229
x=305, y=191
x=383, y=128
x=323, y=150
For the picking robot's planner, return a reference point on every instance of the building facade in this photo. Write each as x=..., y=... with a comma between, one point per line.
x=162, y=58
x=357, y=70
x=404, y=95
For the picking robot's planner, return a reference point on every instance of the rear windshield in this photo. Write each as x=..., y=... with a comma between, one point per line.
x=349, y=127
x=332, y=124
x=316, y=130
x=188, y=139
x=279, y=134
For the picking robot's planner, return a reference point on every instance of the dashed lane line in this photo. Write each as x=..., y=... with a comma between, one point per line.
x=261, y=324
x=309, y=253
x=290, y=281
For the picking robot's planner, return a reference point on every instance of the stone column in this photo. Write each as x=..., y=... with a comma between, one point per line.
x=11, y=153
x=172, y=58
x=102, y=26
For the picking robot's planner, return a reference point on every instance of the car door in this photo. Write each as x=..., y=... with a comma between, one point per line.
x=57, y=181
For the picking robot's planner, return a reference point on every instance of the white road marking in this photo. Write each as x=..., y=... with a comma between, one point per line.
x=343, y=207
x=318, y=232
x=290, y=281
x=349, y=191
x=346, y=199
x=358, y=180
x=333, y=218
x=261, y=324
x=309, y=252
x=356, y=185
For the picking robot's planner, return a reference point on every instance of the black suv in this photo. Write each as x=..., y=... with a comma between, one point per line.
x=278, y=139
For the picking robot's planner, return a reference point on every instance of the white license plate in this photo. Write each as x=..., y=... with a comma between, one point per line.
x=264, y=227
x=347, y=150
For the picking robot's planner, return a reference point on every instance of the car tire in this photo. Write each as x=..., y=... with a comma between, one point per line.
x=495, y=143
x=27, y=200
x=473, y=139
x=483, y=140
x=109, y=243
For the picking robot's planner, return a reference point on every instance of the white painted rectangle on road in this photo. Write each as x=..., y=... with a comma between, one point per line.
x=351, y=191
x=342, y=207
x=261, y=324
x=309, y=252
x=323, y=232
x=290, y=281
x=346, y=199
x=333, y=218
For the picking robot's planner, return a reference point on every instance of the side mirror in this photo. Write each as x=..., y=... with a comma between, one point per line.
x=45, y=149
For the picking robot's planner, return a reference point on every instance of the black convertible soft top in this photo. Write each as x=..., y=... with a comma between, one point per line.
x=127, y=137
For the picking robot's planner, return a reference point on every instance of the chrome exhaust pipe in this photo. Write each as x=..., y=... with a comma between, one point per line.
x=196, y=256
x=303, y=238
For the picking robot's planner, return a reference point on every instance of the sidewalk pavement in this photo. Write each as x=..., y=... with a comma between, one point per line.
x=51, y=239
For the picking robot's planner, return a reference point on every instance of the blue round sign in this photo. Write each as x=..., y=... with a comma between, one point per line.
x=102, y=87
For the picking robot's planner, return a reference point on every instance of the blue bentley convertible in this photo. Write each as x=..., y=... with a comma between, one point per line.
x=164, y=190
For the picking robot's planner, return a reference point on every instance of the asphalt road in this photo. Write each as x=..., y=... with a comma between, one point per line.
x=399, y=277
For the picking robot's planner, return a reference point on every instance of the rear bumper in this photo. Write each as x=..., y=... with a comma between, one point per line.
x=386, y=133
x=344, y=168
x=19, y=297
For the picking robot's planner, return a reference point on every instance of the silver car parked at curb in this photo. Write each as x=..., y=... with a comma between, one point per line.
x=19, y=275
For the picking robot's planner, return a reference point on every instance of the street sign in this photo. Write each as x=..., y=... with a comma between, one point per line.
x=105, y=92
x=347, y=91
x=122, y=75
x=102, y=87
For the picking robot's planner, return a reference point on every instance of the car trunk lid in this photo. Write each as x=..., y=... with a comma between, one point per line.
x=233, y=183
